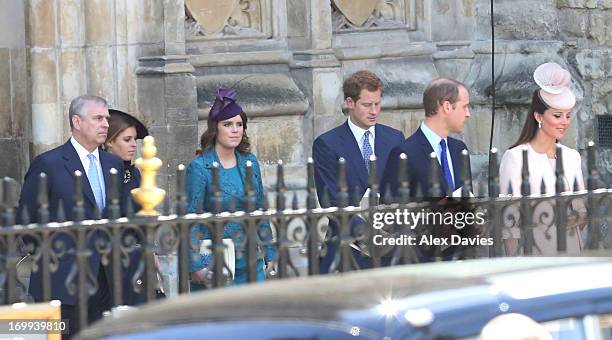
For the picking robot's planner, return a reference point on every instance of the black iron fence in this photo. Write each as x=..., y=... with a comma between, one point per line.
x=302, y=233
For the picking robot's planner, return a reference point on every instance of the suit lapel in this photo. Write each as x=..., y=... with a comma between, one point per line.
x=73, y=163
x=241, y=163
x=455, y=151
x=353, y=154
x=425, y=146
x=381, y=149
x=106, y=166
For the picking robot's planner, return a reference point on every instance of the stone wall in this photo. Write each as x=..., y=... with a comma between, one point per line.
x=54, y=50
x=14, y=99
x=163, y=60
x=573, y=33
x=585, y=26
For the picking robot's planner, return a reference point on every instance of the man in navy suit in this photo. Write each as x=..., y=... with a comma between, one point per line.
x=355, y=141
x=446, y=103
x=88, y=117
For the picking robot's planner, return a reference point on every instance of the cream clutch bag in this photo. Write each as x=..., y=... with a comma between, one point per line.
x=229, y=254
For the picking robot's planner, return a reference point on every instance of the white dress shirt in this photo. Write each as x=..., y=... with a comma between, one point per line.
x=82, y=152
x=434, y=139
x=358, y=134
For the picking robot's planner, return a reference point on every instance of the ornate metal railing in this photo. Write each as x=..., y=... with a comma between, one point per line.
x=298, y=230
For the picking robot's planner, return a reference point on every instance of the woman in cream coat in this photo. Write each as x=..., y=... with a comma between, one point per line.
x=545, y=125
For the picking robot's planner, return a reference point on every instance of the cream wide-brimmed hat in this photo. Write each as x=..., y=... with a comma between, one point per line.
x=554, y=82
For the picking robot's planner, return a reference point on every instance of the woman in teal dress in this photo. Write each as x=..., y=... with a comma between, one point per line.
x=225, y=142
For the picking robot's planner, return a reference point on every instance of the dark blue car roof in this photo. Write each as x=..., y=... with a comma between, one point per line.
x=407, y=302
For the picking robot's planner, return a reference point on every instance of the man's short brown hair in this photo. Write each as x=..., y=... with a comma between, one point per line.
x=439, y=91
x=361, y=80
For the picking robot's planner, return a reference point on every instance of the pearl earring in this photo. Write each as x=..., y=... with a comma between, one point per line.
x=539, y=124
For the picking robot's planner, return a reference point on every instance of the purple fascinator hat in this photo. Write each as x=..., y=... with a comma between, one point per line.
x=225, y=106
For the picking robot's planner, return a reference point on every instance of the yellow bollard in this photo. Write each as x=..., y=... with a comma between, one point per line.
x=148, y=195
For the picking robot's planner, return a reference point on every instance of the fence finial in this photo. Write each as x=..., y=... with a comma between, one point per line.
x=148, y=195
x=493, y=174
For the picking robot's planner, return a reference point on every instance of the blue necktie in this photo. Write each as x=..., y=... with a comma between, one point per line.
x=94, y=181
x=445, y=167
x=366, y=150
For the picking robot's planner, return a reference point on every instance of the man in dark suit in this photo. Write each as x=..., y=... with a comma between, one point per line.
x=88, y=117
x=446, y=103
x=355, y=141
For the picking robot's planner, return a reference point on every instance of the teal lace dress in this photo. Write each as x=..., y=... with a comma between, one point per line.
x=199, y=198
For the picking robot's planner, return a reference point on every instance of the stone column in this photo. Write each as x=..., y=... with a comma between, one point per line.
x=47, y=118
x=72, y=63
x=14, y=110
x=174, y=27
x=166, y=93
x=317, y=70
x=99, y=49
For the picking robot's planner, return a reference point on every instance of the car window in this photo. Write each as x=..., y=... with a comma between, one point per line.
x=605, y=326
x=565, y=329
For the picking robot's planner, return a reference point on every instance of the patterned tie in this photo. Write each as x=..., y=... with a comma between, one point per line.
x=94, y=180
x=366, y=150
x=445, y=167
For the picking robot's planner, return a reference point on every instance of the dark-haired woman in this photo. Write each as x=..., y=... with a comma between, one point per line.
x=123, y=131
x=546, y=123
x=225, y=143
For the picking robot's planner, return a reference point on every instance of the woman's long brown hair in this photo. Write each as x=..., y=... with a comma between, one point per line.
x=209, y=137
x=530, y=128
